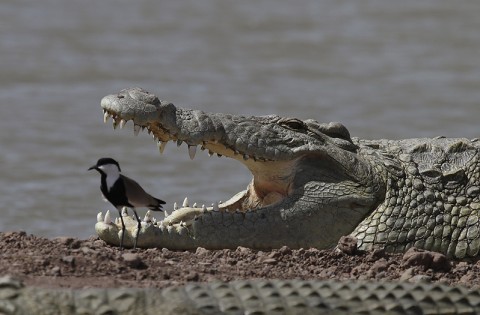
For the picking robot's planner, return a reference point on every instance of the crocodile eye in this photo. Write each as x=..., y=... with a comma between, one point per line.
x=294, y=124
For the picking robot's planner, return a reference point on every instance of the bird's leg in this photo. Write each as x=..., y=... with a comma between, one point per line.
x=123, y=228
x=139, y=225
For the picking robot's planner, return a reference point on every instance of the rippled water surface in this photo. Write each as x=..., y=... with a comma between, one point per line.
x=386, y=69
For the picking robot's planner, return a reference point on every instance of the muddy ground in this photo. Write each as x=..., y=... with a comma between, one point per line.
x=74, y=263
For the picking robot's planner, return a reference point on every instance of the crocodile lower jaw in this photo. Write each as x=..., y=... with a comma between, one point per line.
x=179, y=217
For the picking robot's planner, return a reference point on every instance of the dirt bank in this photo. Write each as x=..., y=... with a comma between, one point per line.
x=74, y=263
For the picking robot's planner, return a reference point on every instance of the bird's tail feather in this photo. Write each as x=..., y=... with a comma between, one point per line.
x=157, y=206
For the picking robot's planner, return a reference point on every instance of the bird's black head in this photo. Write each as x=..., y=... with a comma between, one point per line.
x=105, y=161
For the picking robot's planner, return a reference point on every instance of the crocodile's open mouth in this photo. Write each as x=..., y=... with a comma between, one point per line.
x=271, y=185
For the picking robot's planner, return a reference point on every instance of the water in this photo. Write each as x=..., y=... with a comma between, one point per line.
x=386, y=69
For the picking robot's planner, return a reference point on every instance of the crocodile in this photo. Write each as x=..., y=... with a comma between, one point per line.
x=312, y=184
x=244, y=297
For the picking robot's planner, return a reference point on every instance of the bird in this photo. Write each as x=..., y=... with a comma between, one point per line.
x=122, y=191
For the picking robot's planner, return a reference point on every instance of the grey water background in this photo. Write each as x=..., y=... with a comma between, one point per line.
x=385, y=69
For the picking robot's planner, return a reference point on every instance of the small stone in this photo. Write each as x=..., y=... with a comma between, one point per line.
x=467, y=279
x=379, y=266
x=243, y=250
x=93, y=238
x=274, y=254
x=86, y=250
x=133, y=260
x=261, y=253
x=68, y=241
x=426, y=259
x=192, y=276
x=99, y=243
x=76, y=244
x=55, y=271
x=348, y=244
x=201, y=251
x=270, y=261
x=420, y=279
x=376, y=254
x=407, y=274
x=64, y=240
x=285, y=250
x=69, y=260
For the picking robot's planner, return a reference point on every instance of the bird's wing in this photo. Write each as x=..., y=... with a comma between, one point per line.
x=136, y=195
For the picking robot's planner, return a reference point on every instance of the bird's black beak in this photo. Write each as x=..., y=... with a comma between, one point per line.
x=92, y=168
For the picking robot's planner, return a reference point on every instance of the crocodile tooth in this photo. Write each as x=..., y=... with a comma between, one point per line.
x=148, y=216
x=179, y=143
x=185, y=202
x=118, y=221
x=106, y=116
x=136, y=129
x=122, y=123
x=166, y=214
x=210, y=153
x=215, y=206
x=194, y=205
x=204, y=209
x=161, y=146
x=175, y=206
x=124, y=212
x=143, y=128
x=100, y=217
x=192, y=149
x=115, y=123
x=107, y=219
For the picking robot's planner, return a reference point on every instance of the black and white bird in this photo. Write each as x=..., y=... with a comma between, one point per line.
x=122, y=191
